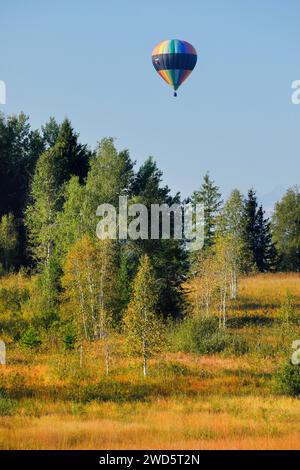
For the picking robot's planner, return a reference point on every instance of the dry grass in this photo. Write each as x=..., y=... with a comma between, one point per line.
x=268, y=290
x=217, y=423
x=187, y=402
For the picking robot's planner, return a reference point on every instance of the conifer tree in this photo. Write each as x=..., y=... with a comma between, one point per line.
x=53, y=170
x=50, y=132
x=209, y=196
x=249, y=222
x=168, y=258
x=265, y=255
x=257, y=235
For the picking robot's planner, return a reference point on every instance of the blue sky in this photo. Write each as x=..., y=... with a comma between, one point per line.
x=91, y=61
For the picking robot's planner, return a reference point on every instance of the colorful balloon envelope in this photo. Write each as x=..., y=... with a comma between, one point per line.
x=174, y=60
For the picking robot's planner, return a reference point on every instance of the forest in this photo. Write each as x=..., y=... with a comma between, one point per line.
x=95, y=311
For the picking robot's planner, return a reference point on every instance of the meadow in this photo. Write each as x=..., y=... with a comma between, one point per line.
x=223, y=400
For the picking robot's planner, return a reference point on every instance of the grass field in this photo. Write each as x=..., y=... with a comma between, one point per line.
x=222, y=401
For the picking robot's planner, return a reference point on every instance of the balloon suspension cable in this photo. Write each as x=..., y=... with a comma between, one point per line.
x=175, y=94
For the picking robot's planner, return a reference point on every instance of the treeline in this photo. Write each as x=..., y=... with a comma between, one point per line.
x=56, y=272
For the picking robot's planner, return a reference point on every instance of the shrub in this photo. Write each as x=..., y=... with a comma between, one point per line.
x=167, y=369
x=70, y=338
x=237, y=344
x=7, y=407
x=288, y=379
x=199, y=335
x=31, y=339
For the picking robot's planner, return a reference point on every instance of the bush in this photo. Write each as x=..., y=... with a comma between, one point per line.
x=201, y=336
x=7, y=407
x=167, y=369
x=288, y=379
x=70, y=338
x=31, y=339
x=237, y=344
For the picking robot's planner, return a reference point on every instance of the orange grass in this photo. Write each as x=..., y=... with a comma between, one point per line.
x=188, y=401
x=227, y=423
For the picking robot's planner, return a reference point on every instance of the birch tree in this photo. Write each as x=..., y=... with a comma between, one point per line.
x=143, y=328
x=90, y=287
x=200, y=288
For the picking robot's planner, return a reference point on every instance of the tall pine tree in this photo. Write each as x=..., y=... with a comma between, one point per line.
x=257, y=235
x=210, y=197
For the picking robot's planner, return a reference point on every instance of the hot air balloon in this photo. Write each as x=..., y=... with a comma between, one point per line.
x=174, y=60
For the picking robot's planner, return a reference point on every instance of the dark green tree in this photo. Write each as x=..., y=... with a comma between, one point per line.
x=168, y=256
x=265, y=252
x=73, y=156
x=249, y=226
x=20, y=148
x=257, y=235
x=53, y=170
x=50, y=132
x=210, y=197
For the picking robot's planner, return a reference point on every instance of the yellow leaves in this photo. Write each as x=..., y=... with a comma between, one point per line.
x=89, y=284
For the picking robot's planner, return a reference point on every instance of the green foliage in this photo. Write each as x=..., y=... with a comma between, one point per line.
x=204, y=336
x=19, y=149
x=257, y=236
x=288, y=379
x=286, y=230
x=70, y=338
x=14, y=296
x=168, y=257
x=42, y=308
x=31, y=338
x=143, y=328
x=53, y=169
x=7, y=406
x=210, y=197
x=90, y=282
x=288, y=313
x=50, y=132
x=70, y=221
x=8, y=241
x=199, y=335
x=109, y=177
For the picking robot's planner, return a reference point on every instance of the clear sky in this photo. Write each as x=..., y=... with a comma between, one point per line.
x=91, y=61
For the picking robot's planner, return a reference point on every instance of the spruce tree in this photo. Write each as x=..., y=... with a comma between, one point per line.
x=257, y=235
x=50, y=132
x=53, y=170
x=265, y=254
x=209, y=196
x=249, y=223
x=169, y=260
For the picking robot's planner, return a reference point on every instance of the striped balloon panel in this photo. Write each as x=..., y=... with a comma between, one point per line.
x=174, y=77
x=174, y=46
x=174, y=60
